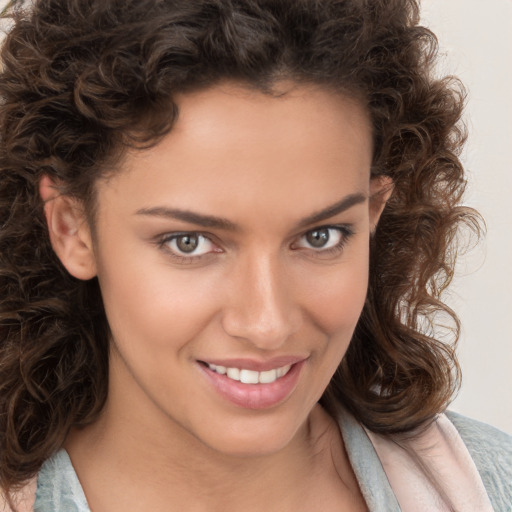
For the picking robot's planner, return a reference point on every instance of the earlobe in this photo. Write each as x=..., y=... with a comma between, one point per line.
x=69, y=231
x=381, y=188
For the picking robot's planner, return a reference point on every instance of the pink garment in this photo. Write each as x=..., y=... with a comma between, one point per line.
x=432, y=471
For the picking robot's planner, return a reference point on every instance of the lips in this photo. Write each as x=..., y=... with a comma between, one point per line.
x=253, y=384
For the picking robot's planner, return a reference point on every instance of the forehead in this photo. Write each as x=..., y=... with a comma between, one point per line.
x=254, y=148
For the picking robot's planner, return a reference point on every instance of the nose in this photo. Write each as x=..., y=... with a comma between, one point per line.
x=262, y=307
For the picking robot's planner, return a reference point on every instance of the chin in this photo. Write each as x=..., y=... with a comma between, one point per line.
x=258, y=438
x=257, y=446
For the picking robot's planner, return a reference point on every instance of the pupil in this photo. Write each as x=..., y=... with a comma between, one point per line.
x=187, y=243
x=318, y=237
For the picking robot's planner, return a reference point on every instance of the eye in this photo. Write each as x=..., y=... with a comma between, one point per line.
x=324, y=242
x=322, y=238
x=189, y=245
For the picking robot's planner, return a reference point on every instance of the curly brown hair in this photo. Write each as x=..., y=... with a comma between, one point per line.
x=83, y=80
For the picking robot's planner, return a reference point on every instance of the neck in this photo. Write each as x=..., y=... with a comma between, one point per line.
x=175, y=466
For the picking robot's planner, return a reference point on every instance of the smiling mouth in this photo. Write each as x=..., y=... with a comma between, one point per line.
x=250, y=376
x=253, y=384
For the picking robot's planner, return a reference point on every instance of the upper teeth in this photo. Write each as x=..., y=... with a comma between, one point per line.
x=250, y=376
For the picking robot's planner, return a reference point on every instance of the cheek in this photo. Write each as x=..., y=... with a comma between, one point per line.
x=337, y=299
x=145, y=300
x=335, y=308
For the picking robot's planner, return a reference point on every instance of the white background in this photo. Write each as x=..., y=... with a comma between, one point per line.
x=476, y=41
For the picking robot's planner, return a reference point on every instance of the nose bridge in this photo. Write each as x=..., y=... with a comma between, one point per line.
x=261, y=308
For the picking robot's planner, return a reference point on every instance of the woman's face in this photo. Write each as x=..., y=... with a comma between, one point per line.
x=233, y=262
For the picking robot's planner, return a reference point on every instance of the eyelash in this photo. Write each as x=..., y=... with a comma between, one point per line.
x=346, y=232
x=164, y=242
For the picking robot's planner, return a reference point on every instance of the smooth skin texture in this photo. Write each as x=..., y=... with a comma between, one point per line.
x=244, y=234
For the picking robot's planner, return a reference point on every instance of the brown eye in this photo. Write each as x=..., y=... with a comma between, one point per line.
x=323, y=239
x=318, y=238
x=187, y=243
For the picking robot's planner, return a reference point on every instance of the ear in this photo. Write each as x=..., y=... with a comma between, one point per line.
x=69, y=230
x=381, y=188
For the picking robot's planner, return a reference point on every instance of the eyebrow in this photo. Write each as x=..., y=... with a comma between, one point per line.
x=334, y=209
x=211, y=221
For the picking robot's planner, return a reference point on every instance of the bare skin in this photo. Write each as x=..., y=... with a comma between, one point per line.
x=312, y=474
x=239, y=240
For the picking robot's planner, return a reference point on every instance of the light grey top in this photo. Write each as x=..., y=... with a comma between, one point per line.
x=58, y=487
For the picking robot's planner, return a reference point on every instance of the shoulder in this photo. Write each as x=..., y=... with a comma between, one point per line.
x=56, y=487
x=491, y=451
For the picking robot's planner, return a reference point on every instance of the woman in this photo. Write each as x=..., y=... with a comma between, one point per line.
x=226, y=227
